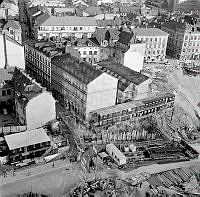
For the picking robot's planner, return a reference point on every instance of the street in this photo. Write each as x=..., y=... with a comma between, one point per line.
x=58, y=181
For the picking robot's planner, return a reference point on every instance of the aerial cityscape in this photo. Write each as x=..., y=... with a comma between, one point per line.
x=99, y=98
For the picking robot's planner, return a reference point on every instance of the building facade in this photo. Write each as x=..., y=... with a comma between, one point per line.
x=184, y=40
x=140, y=109
x=66, y=26
x=81, y=88
x=13, y=29
x=6, y=88
x=132, y=85
x=27, y=145
x=89, y=50
x=38, y=57
x=11, y=52
x=31, y=106
x=156, y=43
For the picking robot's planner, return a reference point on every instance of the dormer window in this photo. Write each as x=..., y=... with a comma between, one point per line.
x=105, y=43
x=89, y=44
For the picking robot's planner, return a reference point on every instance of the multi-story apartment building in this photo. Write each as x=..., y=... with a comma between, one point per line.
x=27, y=145
x=65, y=26
x=34, y=106
x=80, y=87
x=132, y=85
x=38, y=57
x=156, y=43
x=184, y=40
x=89, y=50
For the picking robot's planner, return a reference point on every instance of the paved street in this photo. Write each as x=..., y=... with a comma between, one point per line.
x=56, y=181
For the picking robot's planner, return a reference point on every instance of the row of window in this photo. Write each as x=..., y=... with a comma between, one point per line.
x=191, y=50
x=65, y=28
x=90, y=53
x=39, y=64
x=37, y=56
x=155, y=52
x=152, y=46
x=6, y=92
x=65, y=77
x=156, y=39
x=191, y=44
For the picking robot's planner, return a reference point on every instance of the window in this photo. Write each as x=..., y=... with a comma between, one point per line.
x=84, y=52
x=156, y=39
x=151, y=39
x=158, y=51
x=3, y=93
x=95, y=52
x=185, y=44
x=84, y=59
x=147, y=39
x=75, y=29
x=62, y=28
x=90, y=52
x=9, y=92
x=81, y=28
x=195, y=37
x=186, y=37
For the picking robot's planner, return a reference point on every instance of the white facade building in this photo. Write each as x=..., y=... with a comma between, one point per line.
x=11, y=52
x=31, y=106
x=65, y=26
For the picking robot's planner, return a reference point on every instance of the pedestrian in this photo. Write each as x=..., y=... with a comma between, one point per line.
x=53, y=165
x=13, y=172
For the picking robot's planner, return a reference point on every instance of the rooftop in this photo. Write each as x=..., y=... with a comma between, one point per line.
x=93, y=10
x=69, y=21
x=27, y=138
x=123, y=71
x=13, y=24
x=128, y=105
x=48, y=48
x=83, y=71
x=149, y=32
x=25, y=86
x=106, y=34
x=6, y=74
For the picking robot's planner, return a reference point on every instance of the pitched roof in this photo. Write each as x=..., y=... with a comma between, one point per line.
x=93, y=10
x=123, y=71
x=174, y=25
x=106, y=34
x=129, y=9
x=27, y=138
x=41, y=18
x=83, y=71
x=69, y=21
x=6, y=74
x=12, y=23
x=108, y=22
x=24, y=85
x=149, y=32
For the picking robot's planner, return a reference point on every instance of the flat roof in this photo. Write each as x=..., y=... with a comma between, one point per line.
x=116, y=150
x=149, y=32
x=128, y=105
x=24, y=139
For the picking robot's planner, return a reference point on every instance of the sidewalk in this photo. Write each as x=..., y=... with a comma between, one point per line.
x=35, y=171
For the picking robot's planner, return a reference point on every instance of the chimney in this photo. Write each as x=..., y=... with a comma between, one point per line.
x=6, y=13
x=5, y=51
